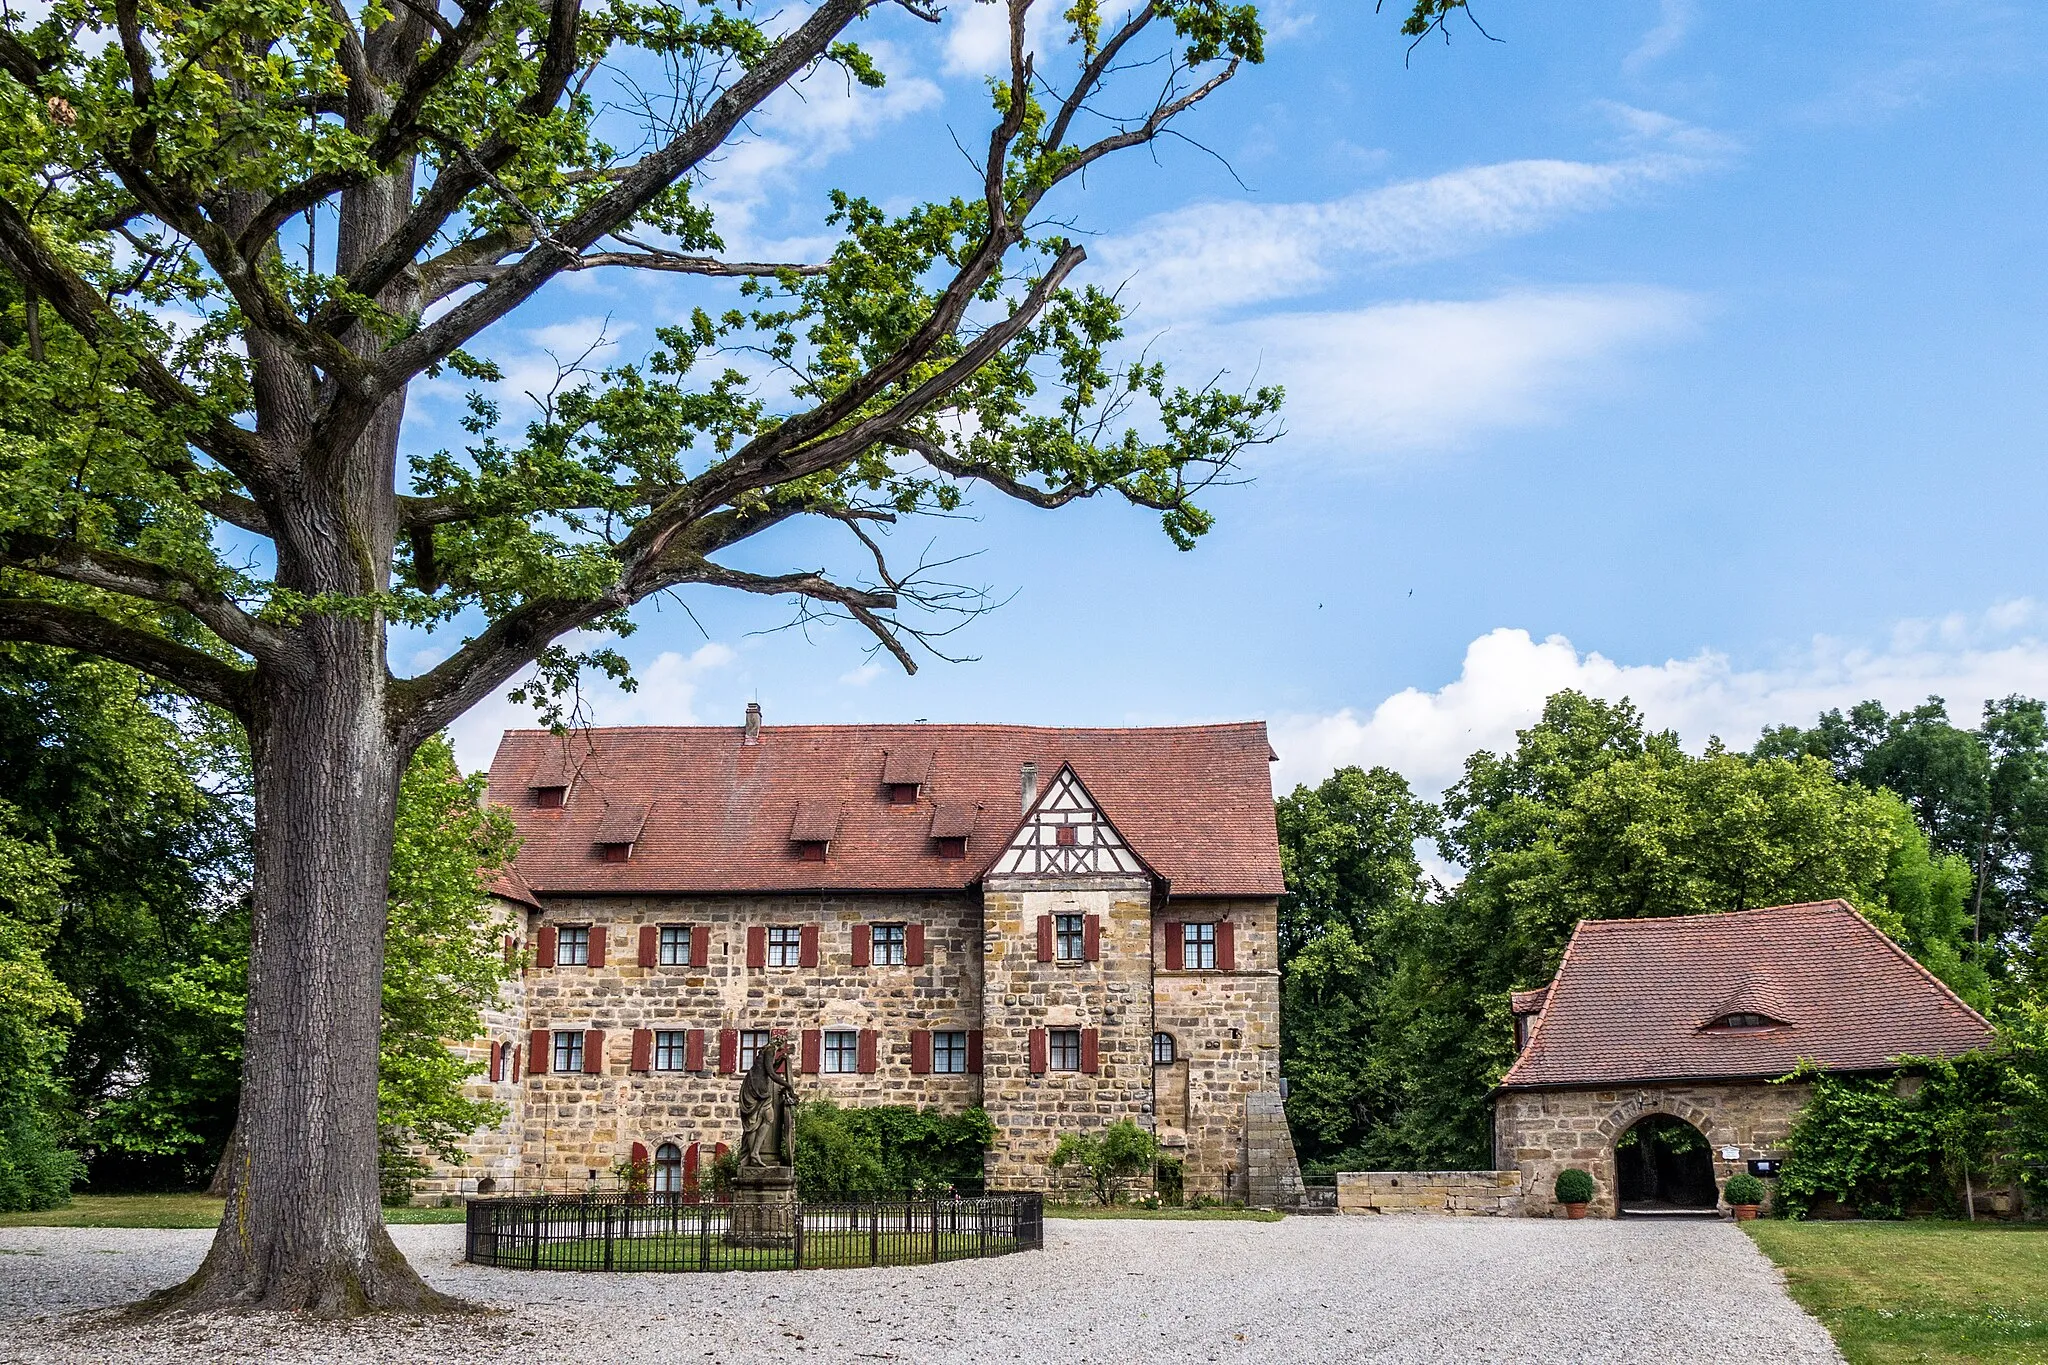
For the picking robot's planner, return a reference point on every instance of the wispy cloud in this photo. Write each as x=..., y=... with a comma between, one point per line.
x=1215, y=256
x=1674, y=22
x=1507, y=673
x=1420, y=375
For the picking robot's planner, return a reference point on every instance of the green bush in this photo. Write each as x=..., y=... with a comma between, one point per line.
x=1574, y=1186
x=1169, y=1179
x=887, y=1149
x=1744, y=1188
x=1881, y=1148
x=725, y=1168
x=1108, y=1157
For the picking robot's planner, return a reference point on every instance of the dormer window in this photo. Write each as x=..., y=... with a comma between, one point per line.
x=550, y=779
x=813, y=829
x=619, y=831
x=952, y=850
x=904, y=774
x=550, y=798
x=1744, y=1020
x=952, y=825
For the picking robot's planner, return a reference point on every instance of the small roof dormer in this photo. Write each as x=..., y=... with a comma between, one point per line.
x=905, y=772
x=814, y=827
x=618, y=831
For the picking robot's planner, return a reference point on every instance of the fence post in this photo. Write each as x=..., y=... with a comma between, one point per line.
x=875, y=1233
x=797, y=1212
x=935, y=1232
x=607, y=1236
x=538, y=1210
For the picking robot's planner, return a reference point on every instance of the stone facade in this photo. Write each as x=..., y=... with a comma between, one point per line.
x=981, y=974
x=1468, y=1193
x=1538, y=1133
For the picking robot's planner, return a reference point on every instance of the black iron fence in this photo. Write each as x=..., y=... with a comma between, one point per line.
x=661, y=1232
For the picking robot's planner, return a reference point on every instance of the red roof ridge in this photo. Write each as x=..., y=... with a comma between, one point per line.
x=1833, y=902
x=908, y=725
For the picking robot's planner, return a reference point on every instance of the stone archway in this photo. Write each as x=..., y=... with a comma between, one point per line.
x=1663, y=1165
x=1655, y=1106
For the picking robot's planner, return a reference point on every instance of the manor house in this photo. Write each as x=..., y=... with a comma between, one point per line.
x=1066, y=927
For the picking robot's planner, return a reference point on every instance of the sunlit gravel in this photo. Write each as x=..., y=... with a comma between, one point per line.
x=1300, y=1291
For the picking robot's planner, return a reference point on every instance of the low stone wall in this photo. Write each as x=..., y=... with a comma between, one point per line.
x=1486, y=1194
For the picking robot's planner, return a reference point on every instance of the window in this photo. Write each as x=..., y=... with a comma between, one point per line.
x=785, y=946
x=903, y=793
x=550, y=798
x=885, y=945
x=842, y=1051
x=675, y=945
x=668, y=1169
x=949, y=1052
x=1744, y=1021
x=810, y=850
x=1198, y=947
x=1064, y=1048
x=572, y=946
x=669, y=1050
x=1064, y=835
x=752, y=1040
x=615, y=853
x=1164, y=1052
x=952, y=848
x=1069, y=939
x=568, y=1050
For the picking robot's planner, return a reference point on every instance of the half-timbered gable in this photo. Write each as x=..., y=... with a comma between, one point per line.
x=1065, y=834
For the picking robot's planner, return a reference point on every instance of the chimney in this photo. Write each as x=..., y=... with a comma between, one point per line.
x=1028, y=785
x=753, y=722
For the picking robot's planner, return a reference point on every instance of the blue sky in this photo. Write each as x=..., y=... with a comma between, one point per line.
x=1685, y=352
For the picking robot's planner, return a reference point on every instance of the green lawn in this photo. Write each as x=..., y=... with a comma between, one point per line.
x=1919, y=1291
x=168, y=1211
x=1163, y=1215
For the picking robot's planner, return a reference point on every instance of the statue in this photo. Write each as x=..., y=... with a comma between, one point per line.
x=768, y=1110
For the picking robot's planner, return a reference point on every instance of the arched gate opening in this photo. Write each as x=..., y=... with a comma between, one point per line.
x=1663, y=1164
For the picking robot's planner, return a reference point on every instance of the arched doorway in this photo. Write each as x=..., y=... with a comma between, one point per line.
x=1663, y=1164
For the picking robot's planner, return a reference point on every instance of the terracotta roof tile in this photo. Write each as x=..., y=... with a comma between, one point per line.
x=1631, y=997
x=906, y=766
x=816, y=822
x=512, y=887
x=1195, y=802
x=1528, y=1002
x=955, y=819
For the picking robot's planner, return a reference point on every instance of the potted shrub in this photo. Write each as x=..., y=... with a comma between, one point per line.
x=1574, y=1191
x=1744, y=1194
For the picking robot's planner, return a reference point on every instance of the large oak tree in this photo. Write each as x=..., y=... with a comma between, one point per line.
x=337, y=197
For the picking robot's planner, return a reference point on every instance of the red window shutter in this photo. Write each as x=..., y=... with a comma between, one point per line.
x=868, y=1039
x=593, y=1052
x=807, y=946
x=544, y=946
x=757, y=946
x=1038, y=1052
x=599, y=933
x=813, y=1049
x=862, y=944
x=537, y=1052
x=693, y=1050
x=690, y=1171
x=643, y=1049
x=718, y=1150
x=497, y=1062
x=1091, y=1049
x=913, y=944
x=1045, y=938
x=512, y=1060
x=650, y=945
x=639, y=1154
x=920, y=1052
x=700, y=944
x=1226, y=947
x=728, y=1050
x=1091, y=937
x=974, y=1052
x=1176, y=944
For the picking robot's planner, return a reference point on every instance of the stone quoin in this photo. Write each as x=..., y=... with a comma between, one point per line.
x=1064, y=926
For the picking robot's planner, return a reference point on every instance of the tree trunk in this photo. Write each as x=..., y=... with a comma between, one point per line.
x=303, y=1230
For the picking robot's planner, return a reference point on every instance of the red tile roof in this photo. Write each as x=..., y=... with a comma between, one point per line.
x=1196, y=802
x=1634, y=999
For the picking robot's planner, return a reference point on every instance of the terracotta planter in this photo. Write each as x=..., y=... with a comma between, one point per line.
x=1575, y=1210
x=1744, y=1212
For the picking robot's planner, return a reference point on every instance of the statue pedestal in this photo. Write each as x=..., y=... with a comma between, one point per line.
x=763, y=1207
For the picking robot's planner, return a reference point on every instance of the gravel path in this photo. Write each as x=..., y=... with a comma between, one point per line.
x=1108, y=1293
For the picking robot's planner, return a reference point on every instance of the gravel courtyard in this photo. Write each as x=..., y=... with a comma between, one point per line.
x=1303, y=1290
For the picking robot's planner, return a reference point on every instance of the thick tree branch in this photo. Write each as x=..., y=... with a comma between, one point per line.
x=616, y=209
x=202, y=675
x=133, y=576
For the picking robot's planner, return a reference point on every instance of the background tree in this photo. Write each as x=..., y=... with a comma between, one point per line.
x=467, y=153
x=37, y=1166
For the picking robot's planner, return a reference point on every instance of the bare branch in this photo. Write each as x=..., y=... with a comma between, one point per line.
x=202, y=675
x=133, y=576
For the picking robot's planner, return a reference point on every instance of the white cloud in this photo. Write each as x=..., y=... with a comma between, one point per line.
x=1213, y=256
x=1674, y=22
x=1507, y=674
x=978, y=35
x=666, y=695
x=1429, y=374
x=862, y=676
